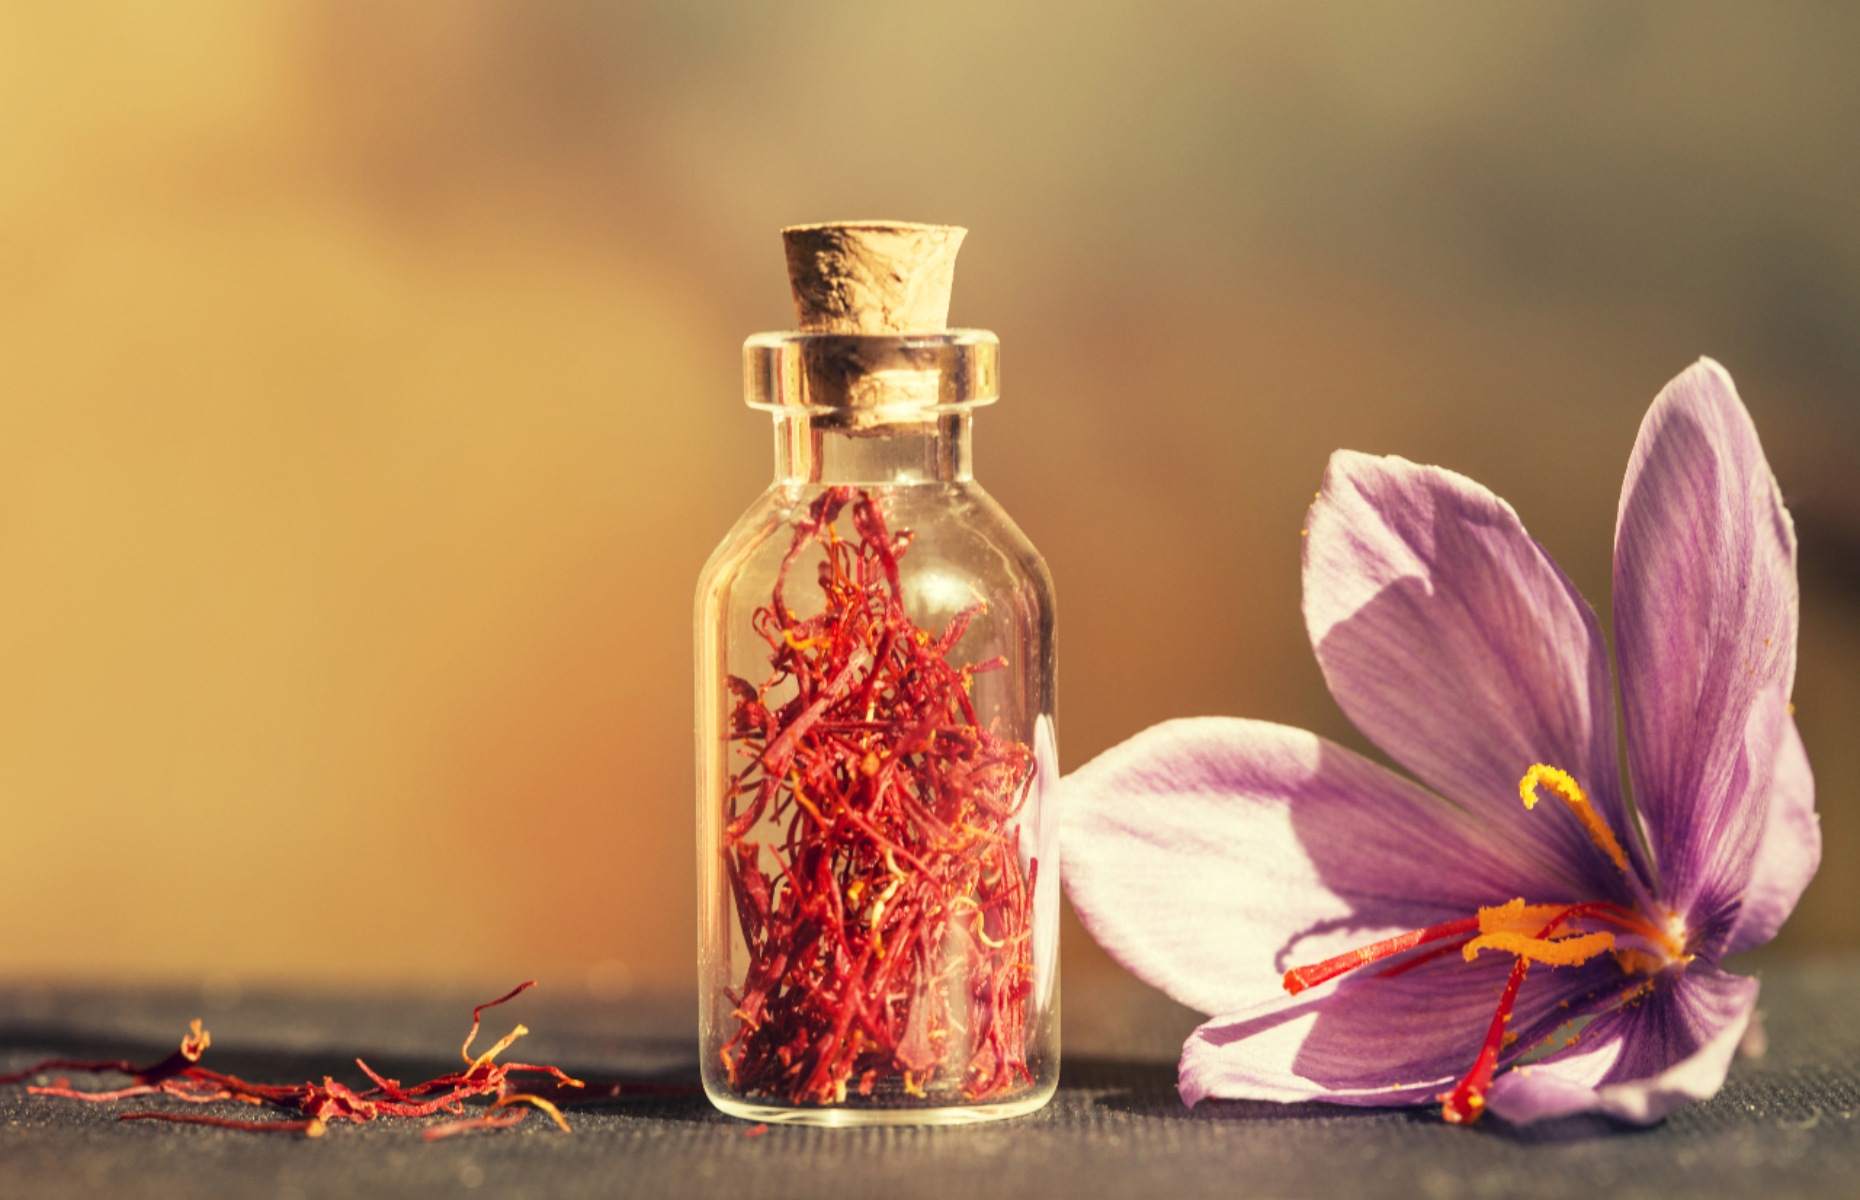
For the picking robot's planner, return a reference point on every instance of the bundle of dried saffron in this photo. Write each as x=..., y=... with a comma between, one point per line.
x=887, y=917
x=181, y=1077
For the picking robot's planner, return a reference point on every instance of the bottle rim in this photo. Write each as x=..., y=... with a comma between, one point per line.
x=873, y=378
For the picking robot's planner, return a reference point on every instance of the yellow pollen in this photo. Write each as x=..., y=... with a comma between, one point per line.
x=1560, y=952
x=1565, y=789
x=1515, y=928
x=1517, y=917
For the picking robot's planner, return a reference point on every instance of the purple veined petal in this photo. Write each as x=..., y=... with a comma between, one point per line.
x=1720, y=856
x=1643, y=1061
x=1705, y=614
x=1453, y=641
x=1789, y=852
x=1212, y=854
x=1379, y=1039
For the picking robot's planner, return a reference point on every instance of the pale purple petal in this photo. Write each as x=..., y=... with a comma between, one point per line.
x=1453, y=641
x=1641, y=1062
x=1210, y=855
x=1705, y=622
x=1724, y=848
x=1043, y=847
x=1789, y=852
x=1379, y=1039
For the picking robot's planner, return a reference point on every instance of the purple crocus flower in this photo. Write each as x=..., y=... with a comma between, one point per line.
x=1365, y=939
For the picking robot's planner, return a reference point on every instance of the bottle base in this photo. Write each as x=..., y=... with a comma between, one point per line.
x=842, y=1116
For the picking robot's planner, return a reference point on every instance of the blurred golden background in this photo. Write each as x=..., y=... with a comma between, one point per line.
x=370, y=397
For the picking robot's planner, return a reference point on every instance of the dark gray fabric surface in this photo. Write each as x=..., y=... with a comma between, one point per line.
x=1787, y=1124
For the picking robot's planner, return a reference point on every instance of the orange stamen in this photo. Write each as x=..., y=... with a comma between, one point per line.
x=1513, y=927
x=1515, y=916
x=1561, y=952
x=1566, y=790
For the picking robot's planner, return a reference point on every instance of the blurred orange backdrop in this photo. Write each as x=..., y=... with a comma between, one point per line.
x=369, y=398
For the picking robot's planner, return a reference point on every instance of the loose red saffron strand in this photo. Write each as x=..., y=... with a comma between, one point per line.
x=886, y=916
x=180, y=1076
x=314, y=1127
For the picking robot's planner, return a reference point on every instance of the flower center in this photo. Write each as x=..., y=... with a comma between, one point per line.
x=1559, y=935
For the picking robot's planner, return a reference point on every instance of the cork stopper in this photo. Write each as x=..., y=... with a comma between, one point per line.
x=872, y=277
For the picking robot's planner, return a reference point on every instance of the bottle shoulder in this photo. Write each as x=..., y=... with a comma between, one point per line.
x=980, y=512
x=754, y=531
x=956, y=530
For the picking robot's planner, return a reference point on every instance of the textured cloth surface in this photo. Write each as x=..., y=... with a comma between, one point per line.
x=1787, y=1124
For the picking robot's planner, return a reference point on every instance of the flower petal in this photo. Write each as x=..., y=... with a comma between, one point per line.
x=1210, y=855
x=1378, y=1039
x=1789, y=852
x=1641, y=1061
x=1040, y=846
x=1722, y=853
x=1705, y=618
x=1453, y=641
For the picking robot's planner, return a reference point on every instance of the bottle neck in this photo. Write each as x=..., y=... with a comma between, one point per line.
x=811, y=449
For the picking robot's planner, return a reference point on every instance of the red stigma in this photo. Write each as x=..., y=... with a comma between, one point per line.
x=1464, y=1104
x=1299, y=978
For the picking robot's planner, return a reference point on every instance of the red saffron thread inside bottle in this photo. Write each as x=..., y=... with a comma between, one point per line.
x=882, y=903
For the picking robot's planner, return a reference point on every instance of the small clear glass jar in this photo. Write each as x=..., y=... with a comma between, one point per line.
x=878, y=835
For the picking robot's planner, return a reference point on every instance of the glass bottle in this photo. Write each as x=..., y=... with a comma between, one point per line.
x=878, y=841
